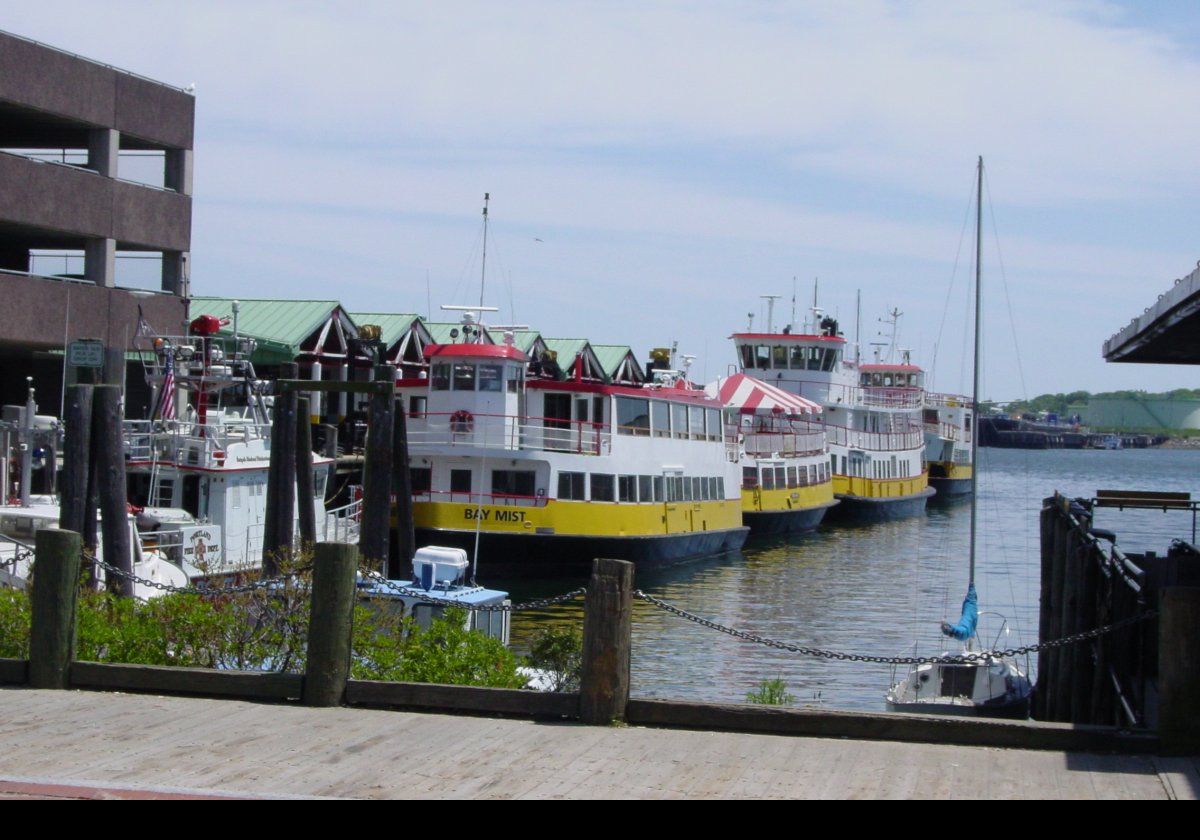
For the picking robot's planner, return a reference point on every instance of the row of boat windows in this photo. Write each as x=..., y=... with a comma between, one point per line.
x=605, y=487
x=890, y=379
x=789, y=357
x=890, y=468
x=779, y=478
x=464, y=376
x=662, y=419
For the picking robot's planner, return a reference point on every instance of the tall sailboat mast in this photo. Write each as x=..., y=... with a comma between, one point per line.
x=975, y=382
x=483, y=262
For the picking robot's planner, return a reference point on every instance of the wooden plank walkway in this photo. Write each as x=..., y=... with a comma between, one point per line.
x=139, y=746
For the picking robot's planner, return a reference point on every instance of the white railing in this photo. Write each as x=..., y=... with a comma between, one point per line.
x=878, y=441
x=498, y=431
x=947, y=400
x=343, y=524
x=186, y=443
x=784, y=443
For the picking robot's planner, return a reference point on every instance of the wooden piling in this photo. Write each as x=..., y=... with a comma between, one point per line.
x=377, y=474
x=330, y=624
x=109, y=445
x=77, y=447
x=279, y=527
x=1179, y=669
x=304, y=474
x=607, y=642
x=1069, y=608
x=406, y=543
x=53, y=605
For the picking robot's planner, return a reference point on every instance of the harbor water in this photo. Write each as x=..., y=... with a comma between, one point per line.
x=877, y=589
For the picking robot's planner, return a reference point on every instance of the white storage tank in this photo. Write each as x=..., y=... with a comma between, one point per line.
x=437, y=565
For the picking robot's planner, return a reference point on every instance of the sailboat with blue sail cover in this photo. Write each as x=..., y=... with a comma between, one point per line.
x=987, y=685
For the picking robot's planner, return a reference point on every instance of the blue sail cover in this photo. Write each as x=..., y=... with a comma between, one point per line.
x=970, y=617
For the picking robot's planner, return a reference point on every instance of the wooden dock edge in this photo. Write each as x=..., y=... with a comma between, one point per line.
x=467, y=699
x=14, y=671
x=882, y=726
x=199, y=682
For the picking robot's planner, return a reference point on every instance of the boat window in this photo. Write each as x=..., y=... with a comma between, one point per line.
x=440, y=378
x=697, y=489
x=712, y=423
x=464, y=377
x=747, y=352
x=602, y=487
x=720, y=487
x=460, y=481
x=513, y=483
x=516, y=379
x=780, y=478
x=417, y=407
x=762, y=357
x=627, y=488
x=633, y=416
x=815, y=356
x=598, y=410
x=749, y=476
x=779, y=356
x=676, y=489
x=660, y=419
x=570, y=486
x=768, y=478
x=191, y=495
x=695, y=422
x=490, y=377
x=659, y=492
x=793, y=478
x=320, y=475
x=958, y=680
x=422, y=480
x=798, y=356
x=687, y=490
x=646, y=488
x=712, y=488
x=831, y=359
x=679, y=421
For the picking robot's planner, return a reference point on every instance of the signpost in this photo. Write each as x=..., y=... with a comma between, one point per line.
x=86, y=353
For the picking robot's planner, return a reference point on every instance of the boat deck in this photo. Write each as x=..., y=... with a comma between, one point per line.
x=93, y=745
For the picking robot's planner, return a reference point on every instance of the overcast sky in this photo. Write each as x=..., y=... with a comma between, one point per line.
x=655, y=167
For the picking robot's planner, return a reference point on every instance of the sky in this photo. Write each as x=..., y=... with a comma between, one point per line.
x=656, y=167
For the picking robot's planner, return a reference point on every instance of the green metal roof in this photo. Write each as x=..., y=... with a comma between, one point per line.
x=612, y=355
x=278, y=326
x=394, y=325
x=524, y=340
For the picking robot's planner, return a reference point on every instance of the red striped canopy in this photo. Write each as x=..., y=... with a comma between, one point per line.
x=753, y=396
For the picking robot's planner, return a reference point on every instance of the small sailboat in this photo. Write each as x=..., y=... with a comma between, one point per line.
x=987, y=685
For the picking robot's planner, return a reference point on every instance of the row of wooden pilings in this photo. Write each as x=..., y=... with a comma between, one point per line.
x=604, y=691
x=1146, y=673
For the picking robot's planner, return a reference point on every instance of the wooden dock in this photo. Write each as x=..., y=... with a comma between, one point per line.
x=102, y=745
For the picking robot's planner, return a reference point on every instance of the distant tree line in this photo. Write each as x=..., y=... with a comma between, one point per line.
x=1057, y=403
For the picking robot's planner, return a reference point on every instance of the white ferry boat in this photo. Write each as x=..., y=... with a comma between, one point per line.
x=876, y=443
x=948, y=434
x=787, y=485
x=541, y=468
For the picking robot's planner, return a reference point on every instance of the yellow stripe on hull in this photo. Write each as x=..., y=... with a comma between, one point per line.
x=758, y=500
x=949, y=469
x=879, y=488
x=587, y=519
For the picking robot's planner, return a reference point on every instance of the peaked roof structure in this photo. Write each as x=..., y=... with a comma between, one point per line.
x=748, y=395
x=569, y=350
x=283, y=329
x=619, y=363
x=405, y=335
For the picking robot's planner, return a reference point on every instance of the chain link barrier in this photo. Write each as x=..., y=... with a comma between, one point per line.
x=208, y=591
x=956, y=659
x=538, y=604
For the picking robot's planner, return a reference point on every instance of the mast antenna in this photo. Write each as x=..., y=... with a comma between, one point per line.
x=770, y=299
x=483, y=263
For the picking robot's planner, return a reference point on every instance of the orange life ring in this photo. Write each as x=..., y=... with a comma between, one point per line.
x=461, y=422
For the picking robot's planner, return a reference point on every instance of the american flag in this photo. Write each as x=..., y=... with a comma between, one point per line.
x=166, y=397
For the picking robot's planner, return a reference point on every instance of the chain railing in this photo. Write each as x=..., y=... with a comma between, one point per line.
x=959, y=659
x=207, y=591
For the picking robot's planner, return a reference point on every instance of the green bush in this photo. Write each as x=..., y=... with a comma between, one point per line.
x=771, y=693
x=558, y=653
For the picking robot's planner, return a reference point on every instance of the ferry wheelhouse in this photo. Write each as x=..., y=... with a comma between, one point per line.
x=876, y=443
x=787, y=483
x=541, y=471
x=948, y=434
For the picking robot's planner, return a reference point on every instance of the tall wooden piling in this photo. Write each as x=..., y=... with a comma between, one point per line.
x=53, y=604
x=279, y=527
x=330, y=624
x=377, y=473
x=77, y=447
x=406, y=543
x=109, y=445
x=304, y=474
x=1179, y=669
x=607, y=642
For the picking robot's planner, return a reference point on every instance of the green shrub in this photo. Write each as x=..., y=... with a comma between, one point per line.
x=771, y=693
x=558, y=653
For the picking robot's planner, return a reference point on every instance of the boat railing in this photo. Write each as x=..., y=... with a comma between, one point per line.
x=947, y=400
x=869, y=396
x=886, y=397
x=343, y=524
x=506, y=431
x=879, y=441
x=784, y=443
x=187, y=443
x=495, y=499
x=945, y=431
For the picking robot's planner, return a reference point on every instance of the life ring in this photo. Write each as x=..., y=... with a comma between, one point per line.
x=462, y=422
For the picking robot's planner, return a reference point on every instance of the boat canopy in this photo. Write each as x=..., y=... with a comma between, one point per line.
x=965, y=628
x=753, y=396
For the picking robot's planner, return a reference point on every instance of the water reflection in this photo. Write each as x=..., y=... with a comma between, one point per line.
x=879, y=589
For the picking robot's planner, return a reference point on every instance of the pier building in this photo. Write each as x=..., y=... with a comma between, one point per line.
x=96, y=174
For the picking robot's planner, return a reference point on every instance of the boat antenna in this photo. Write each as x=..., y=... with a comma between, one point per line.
x=975, y=380
x=793, y=321
x=770, y=299
x=858, y=328
x=483, y=261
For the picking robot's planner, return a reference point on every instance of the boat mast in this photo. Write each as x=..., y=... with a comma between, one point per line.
x=483, y=262
x=975, y=382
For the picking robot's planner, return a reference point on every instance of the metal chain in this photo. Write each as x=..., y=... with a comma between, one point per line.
x=17, y=558
x=538, y=604
x=960, y=659
x=197, y=590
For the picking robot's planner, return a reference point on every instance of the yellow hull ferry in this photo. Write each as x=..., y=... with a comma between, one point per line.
x=875, y=443
x=786, y=482
x=948, y=433
x=546, y=470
